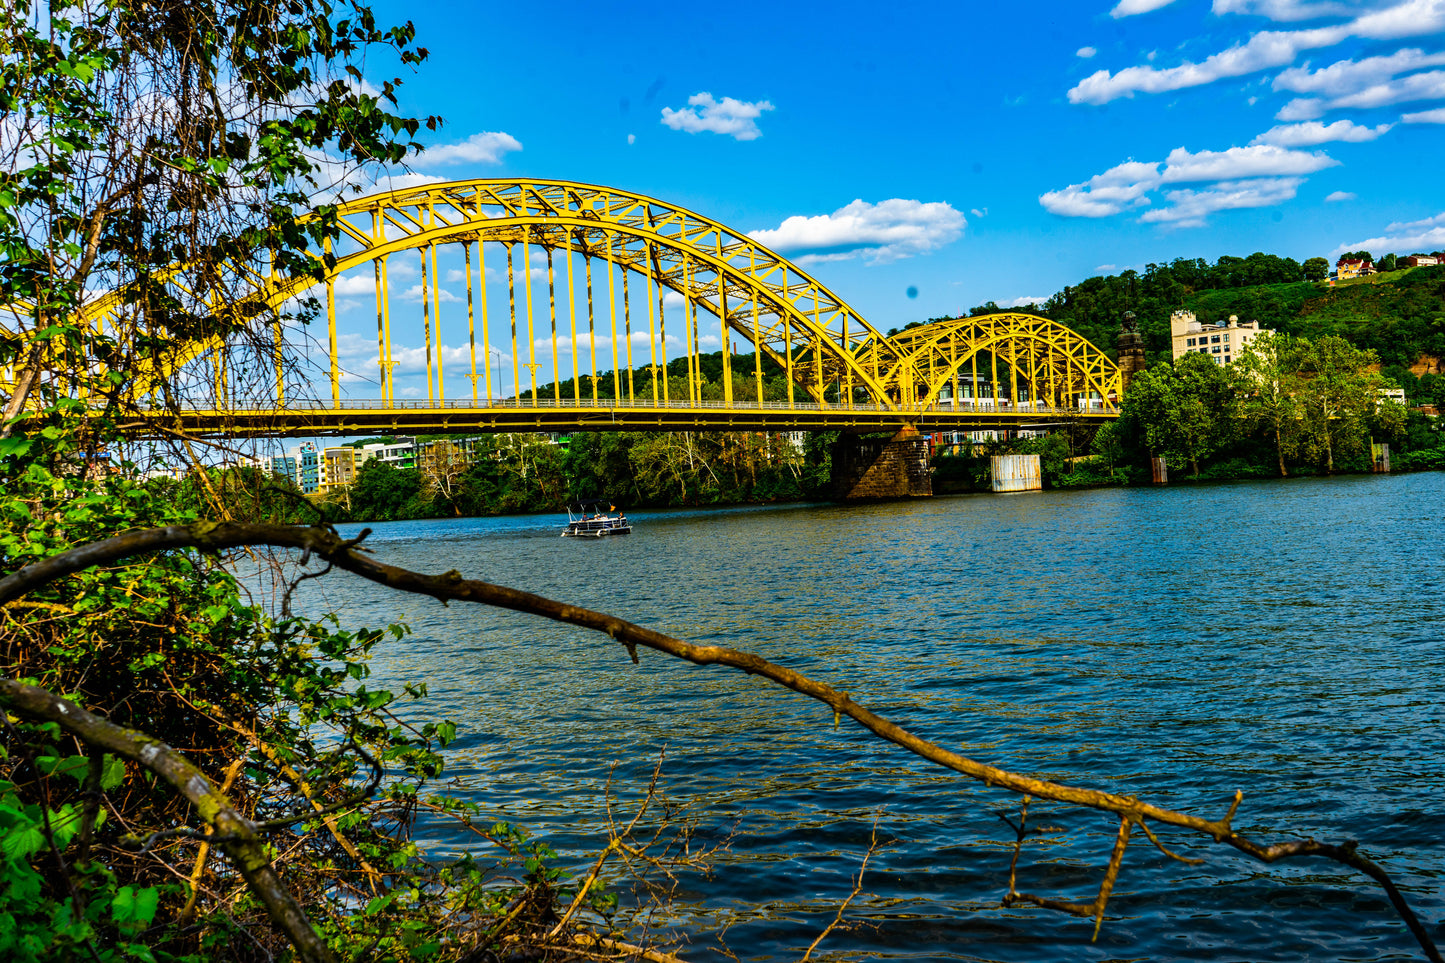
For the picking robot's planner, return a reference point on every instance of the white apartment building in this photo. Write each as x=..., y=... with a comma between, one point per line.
x=1222, y=342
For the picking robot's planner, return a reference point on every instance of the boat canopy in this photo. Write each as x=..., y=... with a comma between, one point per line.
x=592, y=504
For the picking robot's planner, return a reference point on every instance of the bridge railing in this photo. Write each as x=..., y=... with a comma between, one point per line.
x=982, y=406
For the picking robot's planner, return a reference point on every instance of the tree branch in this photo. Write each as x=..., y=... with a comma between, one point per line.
x=235, y=833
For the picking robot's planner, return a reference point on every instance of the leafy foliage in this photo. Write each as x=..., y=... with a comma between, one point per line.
x=519, y=473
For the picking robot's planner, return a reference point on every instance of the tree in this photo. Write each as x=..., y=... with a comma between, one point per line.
x=1339, y=395
x=382, y=491
x=1387, y=263
x=1185, y=411
x=443, y=465
x=1267, y=378
x=1108, y=445
x=1316, y=269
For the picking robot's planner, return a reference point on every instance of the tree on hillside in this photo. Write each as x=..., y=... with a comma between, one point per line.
x=1316, y=269
x=1267, y=378
x=1387, y=263
x=1340, y=399
x=1187, y=410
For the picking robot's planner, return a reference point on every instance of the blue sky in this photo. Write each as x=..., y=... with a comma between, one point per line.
x=964, y=152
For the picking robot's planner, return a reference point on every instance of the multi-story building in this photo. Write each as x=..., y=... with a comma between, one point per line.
x=300, y=465
x=281, y=466
x=1222, y=342
x=1423, y=260
x=341, y=464
x=399, y=452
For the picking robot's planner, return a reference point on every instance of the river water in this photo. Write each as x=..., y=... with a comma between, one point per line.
x=1284, y=639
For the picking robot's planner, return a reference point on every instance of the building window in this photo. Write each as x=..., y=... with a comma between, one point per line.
x=1215, y=339
x=1216, y=351
x=1190, y=342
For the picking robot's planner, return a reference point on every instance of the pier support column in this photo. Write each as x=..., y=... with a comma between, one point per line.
x=874, y=469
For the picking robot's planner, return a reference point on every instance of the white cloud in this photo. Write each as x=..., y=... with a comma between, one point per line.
x=438, y=296
x=355, y=284
x=402, y=180
x=1128, y=8
x=1314, y=132
x=1436, y=116
x=1285, y=10
x=1301, y=108
x=1085, y=52
x=736, y=118
x=488, y=147
x=1106, y=267
x=1413, y=18
x=1128, y=185
x=1424, y=86
x=1263, y=160
x=979, y=211
x=1351, y=76
x=1020, y=302
x=631, y=139
x=1102, y=195
x=1189, y=208
x=1263, y=50
x=1426, y=235
x=885, y=231
x=1337, y=196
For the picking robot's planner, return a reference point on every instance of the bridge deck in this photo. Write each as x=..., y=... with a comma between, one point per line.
x=459, y=416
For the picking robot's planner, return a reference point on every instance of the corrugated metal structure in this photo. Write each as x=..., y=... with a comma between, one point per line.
x=1380, y=456
x=1016, y=473
x=1159, y=471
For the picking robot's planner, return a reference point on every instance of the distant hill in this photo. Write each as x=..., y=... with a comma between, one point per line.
x=1399, y=314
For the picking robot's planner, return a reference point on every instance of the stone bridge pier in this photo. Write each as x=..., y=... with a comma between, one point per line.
x=878, y=469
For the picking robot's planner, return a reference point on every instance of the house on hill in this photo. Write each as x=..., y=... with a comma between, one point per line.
x=1424, y=260
x=1344, y=270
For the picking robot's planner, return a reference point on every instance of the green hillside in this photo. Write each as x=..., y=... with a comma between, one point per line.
x=1400, y=314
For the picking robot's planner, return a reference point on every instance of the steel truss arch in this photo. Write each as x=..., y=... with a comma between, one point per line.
x=842, y=363
x=1055, y=361
x=799, y=324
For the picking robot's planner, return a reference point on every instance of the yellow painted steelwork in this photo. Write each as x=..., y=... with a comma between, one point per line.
x=850, y=374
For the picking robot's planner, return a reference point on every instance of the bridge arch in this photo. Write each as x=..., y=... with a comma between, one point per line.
x=841, y=362
x=780, y=310
x=1058, y=364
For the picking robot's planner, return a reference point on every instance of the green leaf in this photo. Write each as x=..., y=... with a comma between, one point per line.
x=74, y=766
x=113, y=773
x=22, y=841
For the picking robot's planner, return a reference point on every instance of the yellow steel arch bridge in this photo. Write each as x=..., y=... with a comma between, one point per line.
x=588, y=307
